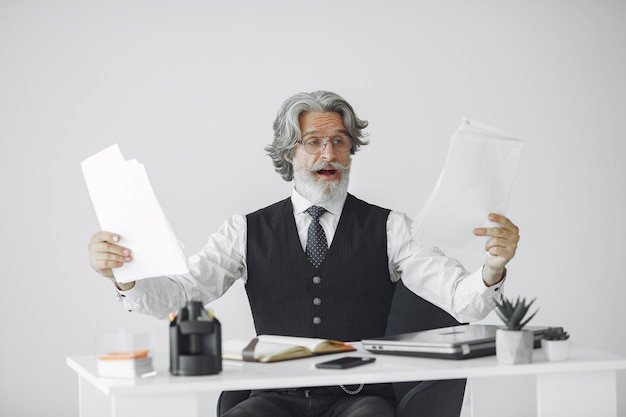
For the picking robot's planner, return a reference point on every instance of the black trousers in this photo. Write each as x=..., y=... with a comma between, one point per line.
x=375, y=400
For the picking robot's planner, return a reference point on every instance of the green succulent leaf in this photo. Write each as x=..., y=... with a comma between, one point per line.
x=513, y=313
x=555, y=334
x=524, y=323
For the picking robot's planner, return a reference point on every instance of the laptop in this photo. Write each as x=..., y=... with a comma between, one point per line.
x=456, y=342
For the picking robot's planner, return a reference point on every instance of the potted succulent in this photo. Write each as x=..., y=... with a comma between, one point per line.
x=555, y=344
x=514, y=345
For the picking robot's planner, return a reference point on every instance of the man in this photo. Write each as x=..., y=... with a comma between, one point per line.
x=321, y=263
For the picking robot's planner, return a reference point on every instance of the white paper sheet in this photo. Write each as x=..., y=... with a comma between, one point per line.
x=476, y=180
x=126, y=204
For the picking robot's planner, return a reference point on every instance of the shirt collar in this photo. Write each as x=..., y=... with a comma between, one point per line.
x=301, y=203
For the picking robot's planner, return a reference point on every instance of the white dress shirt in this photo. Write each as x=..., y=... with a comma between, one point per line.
x=425, y=270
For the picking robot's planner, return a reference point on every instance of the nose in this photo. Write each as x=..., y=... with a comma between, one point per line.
x=328, y=152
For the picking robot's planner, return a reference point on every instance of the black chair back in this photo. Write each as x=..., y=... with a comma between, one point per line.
x=444, y=398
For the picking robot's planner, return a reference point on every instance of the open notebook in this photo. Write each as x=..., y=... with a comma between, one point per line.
x=456, y=342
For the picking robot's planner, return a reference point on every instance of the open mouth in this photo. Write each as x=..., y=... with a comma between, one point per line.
x=327, y=172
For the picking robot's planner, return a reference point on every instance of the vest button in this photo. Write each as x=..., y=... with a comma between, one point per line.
x=317, y=320
x=317, y=280
x=317, y=301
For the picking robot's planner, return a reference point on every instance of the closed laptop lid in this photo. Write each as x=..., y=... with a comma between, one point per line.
x=456, y=342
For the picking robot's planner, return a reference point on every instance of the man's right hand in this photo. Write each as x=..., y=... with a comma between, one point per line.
x=105, y=253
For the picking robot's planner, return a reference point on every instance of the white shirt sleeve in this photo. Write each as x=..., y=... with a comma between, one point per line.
x=425, y=270
x=443, y=281
x=211, y=273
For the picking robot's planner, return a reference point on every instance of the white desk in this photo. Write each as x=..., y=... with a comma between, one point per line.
x=584, y=385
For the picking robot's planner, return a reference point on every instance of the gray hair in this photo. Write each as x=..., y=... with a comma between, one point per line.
x=287, y=126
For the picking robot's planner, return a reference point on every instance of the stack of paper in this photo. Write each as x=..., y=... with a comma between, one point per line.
x=131, y=364
x=125, y=204
x=476, y=180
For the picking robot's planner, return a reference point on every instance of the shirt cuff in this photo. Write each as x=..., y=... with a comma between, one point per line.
x=126, y=297
x=495, y=290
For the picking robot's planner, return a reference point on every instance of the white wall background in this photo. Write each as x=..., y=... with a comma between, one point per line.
x=191, y=88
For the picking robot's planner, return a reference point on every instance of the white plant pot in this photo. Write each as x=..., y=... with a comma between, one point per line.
x=514, y=346
x=555, y=350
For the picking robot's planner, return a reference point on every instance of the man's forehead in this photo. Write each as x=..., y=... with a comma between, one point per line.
x=312, y=122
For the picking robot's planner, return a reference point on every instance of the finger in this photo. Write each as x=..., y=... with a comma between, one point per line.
x=104, y=262
x=490, y=231
x=106, y=267
x=104, y=236
x=501, y=251
x=101, y=242
x=105, y=247
x=508, y=230
x=110, y=256
x=503, y=221
x=501, y=247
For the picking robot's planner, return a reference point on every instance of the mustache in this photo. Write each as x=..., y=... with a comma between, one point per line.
x=329, y=165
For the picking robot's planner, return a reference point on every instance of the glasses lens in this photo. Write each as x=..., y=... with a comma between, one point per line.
x=341, y=143
x=314, y=145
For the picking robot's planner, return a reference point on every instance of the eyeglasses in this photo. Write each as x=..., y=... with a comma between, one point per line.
x=317, y=144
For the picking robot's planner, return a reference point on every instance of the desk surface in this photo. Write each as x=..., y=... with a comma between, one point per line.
x=302, y=372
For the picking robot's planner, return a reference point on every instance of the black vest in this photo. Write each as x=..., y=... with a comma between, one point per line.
x=346, y=298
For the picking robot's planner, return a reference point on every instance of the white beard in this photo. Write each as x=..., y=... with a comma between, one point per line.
x=320, y=191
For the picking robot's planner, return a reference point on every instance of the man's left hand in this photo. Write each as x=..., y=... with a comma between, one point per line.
x=500, y=247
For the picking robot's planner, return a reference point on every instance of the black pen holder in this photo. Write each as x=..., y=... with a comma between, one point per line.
x=195, y=342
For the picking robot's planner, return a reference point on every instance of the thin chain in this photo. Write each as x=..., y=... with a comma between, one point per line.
x=352, y=392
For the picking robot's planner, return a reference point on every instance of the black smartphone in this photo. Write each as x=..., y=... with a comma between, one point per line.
x=345, y=362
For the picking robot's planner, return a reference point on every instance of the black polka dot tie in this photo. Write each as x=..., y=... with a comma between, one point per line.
x=316, y=245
